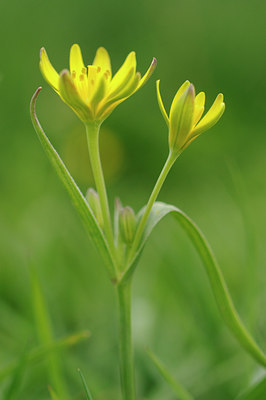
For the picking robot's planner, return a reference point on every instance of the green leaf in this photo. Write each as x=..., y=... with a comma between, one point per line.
x=179, y=390
x=77, y=197
x=88, y=394
x=52, y=393
x=13, y=388
x=256, y=392
x=41, y=352
x=45, y=335
x=217, y=282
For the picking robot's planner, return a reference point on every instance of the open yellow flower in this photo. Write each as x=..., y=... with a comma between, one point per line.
x=184, y=121
x=91, y=91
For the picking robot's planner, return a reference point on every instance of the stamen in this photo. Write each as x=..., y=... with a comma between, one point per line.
x=84, y=70
x=81, y=77
x=98, y=69
x=73, y=74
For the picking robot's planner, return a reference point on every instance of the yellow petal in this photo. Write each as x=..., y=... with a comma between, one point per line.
x=108, y=106
x=75, y=60
x=148, y=73
x=99, y=92
x=199, y=107
x=212, y=116
x=48, y=71
x=120, y=77
x=102, y=60
x=181, y=119
x=121, y=84
x=200, y=99
x=70, y=95
x=160, y=102
x=179, y=93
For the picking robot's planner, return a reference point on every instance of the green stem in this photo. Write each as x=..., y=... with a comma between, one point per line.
x=92, y=131
x=167, y=166
x=125, y=342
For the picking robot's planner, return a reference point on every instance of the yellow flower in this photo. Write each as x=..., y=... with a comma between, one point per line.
x=184, y=121
x=91, y=91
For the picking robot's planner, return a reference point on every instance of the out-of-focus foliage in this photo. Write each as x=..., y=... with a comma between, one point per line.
x=219, y=181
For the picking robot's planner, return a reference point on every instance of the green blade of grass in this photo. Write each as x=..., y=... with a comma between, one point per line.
x=256, y=392
x=179, y=390
x=18, y=372
x=41, y=352
x=45, y=335
x=52, y=393
x=88, y=394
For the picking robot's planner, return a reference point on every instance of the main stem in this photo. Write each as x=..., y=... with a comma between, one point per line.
x=92, y=131
x=125, y=341
x=167, y=166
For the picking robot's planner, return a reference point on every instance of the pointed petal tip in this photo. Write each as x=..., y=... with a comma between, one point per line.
x=64, y=72
x=190, y=91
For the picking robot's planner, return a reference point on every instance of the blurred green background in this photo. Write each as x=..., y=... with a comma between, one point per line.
x=219, y=181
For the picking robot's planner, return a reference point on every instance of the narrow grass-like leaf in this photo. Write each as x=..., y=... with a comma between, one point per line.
x=217, y=282
x=45, y=335
x=256, y=392
x=77, y=197
x=18, y=372
x=179, y=390
x=88, y=394
x=41, y=352
x=52, y=393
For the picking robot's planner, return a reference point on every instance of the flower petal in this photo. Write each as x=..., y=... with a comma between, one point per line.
x=48, y=71
x=75, y=60
x=160, y=102
x=70, y=95
x=148, y=73
x=128, y=90
x=179, y=93
x=181, y=119
x=102, y=60
x=212, y=116
x=119, y=78
x=199, y=107
x=121, y=84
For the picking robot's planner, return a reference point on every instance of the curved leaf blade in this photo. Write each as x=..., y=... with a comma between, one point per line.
x=217, y=282
x=178, y=388
x=77, y=197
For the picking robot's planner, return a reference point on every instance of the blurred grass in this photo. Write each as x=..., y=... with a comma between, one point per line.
x=218, y=46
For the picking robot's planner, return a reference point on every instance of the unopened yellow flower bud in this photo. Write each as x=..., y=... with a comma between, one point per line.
x=93, y=200
x=127, y=224
x=184, y=121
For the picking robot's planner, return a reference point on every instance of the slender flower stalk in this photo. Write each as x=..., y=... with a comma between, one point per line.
x=159, y=183
x=92, y=131
x=184, y=126
x=127, y=368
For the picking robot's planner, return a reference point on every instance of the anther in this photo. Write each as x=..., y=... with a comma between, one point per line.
x=98, y=69
x=81, y=77
x=84, y=70
x=73, y=74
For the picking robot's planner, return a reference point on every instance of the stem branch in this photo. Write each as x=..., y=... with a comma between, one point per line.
x=167, y=166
